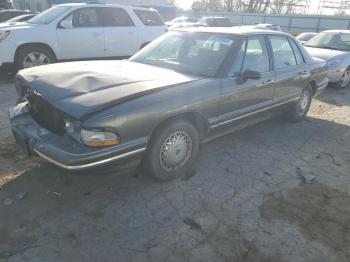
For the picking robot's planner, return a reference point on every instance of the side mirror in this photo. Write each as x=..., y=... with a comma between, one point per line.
x=250, y=74
x=66, y=24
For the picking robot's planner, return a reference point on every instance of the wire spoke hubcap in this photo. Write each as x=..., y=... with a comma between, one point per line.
x=35, y=59
x=175, y=151
x=303, y=101
x=344, y=81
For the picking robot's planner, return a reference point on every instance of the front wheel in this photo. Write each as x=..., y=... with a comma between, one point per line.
x=34, y=56
x=173, y=150
x=344, y=81
x=299, y=110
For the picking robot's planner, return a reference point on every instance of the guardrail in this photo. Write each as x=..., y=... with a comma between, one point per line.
x=289, y=23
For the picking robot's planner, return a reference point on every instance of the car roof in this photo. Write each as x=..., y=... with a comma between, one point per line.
x=106, y=5
x=232, y=31
x=337, y=31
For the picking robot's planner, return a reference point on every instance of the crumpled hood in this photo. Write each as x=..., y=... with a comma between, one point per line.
x=323, y=53
x=81, y=88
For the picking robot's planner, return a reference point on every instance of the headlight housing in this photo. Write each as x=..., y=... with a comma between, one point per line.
x=4, y=35
x=333, y=64
x=98, y=138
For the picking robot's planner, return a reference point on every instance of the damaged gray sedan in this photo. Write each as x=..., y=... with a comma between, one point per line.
x=187, y=87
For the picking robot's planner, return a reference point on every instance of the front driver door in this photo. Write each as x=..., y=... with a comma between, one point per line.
x=79, y=35
x=243, y=96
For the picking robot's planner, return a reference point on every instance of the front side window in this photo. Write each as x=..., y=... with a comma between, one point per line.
x=200, y=54
x=298, y=55
x=283, y=54
x=149, y=18
x=115, y=17
x=237, y=63
x=84, y=17
x=49, y=15
x=256, y=56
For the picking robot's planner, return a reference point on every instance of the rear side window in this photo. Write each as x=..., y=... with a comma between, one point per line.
x=283, y=54
x=298, y=55
x=115, y=17
x=149, y=18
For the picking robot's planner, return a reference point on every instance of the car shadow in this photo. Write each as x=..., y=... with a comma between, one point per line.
x=335, y=96
x=48, y=204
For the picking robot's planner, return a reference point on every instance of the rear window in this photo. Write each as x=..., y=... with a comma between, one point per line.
x=149, y=18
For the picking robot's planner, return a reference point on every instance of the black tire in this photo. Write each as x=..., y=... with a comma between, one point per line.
x=24, y=52
x=342, y=84
x=155, y=164
x=300, y=108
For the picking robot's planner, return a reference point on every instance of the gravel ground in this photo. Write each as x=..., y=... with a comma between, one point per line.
x=243, y=203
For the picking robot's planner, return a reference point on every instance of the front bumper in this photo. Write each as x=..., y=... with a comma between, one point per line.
x=64, y=151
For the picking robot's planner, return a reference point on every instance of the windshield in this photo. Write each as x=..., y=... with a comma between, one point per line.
x=305, y=36
x=328, y=40
x=199, y=54
x=49, y=15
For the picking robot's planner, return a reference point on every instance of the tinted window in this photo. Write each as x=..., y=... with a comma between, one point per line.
x=149, y=18
x=116, y=17
x=256, y=55
x=298, y=55
x=283, y=54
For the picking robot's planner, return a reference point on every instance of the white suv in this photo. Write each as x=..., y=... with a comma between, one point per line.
x=79, y=31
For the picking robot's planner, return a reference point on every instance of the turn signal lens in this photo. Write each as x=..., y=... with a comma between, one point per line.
x=98, y=138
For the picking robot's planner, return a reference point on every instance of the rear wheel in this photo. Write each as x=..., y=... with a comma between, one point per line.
x=344, y=82
x=173, y=150
x=34, y=56
x=302, y=106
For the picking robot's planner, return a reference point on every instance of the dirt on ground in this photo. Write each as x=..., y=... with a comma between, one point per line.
x=245, y=202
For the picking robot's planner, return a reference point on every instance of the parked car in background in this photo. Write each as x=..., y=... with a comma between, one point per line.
x=262, y=26
x=184, y=88
x=9, y=14
x=304, y=37
x=79, y=31
x=215, y=21
x=5, y=4
x=18, y=19
x=334, y=47
x=182, y=19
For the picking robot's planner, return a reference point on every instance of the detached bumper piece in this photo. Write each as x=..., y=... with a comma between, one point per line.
x=62, y=150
